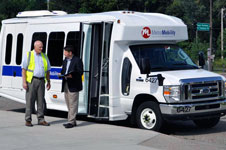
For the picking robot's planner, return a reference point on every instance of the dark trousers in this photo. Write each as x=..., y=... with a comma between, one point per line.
x=35, y=91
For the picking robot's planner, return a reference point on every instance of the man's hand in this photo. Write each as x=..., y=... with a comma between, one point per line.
x=68, y=76
x=48, y=86
x=25, y=86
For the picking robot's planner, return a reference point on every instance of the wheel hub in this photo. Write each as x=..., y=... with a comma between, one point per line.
x=148, y=118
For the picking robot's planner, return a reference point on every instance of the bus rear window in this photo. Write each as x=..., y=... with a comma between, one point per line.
x=19, y=48
x=9, y=42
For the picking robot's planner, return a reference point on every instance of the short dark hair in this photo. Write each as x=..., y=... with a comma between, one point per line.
x=69, y=48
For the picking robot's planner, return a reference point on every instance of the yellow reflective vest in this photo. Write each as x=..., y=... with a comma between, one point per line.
x=31, y=65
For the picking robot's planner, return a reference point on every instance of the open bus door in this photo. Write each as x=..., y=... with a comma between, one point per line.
x=95, y=45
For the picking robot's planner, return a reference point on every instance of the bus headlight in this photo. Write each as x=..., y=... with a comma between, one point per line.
x=171, y=93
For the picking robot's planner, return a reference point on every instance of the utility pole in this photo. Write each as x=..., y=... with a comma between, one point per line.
x=47, y=4
x=222, y=33
x=211, y=34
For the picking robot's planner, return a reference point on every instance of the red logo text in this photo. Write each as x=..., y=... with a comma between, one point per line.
x=146, y=32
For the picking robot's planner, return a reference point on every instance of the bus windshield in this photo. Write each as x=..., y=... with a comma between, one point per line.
x=163, y=57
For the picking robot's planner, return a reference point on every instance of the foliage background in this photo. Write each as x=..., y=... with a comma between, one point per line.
x=190, y=11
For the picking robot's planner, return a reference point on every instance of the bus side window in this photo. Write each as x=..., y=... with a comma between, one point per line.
x=19, y=48
x=73, y=39
x=9, y=42
x=126, y=75
x=42, y=36
x=55, y=48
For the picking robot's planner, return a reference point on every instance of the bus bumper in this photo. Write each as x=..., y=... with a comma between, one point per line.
x=194, y=110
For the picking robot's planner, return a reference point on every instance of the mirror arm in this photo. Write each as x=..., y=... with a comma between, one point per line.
x=159, y=77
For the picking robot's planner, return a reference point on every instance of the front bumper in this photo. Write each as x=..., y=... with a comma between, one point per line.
x=194, y=110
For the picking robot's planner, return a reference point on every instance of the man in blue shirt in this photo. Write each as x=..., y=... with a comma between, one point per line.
x=35, y=70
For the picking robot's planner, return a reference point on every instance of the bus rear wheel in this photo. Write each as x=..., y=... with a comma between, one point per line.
x=148, y=116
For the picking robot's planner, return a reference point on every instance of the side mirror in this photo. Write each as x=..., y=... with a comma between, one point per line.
x=201, y=59
x=145, y=66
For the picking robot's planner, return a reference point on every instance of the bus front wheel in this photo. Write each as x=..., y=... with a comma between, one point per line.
x=148, y=116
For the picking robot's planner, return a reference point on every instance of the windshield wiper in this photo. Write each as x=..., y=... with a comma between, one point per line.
x=181, y=63
x=159, y=68
x=186, y=66
x=194, y=67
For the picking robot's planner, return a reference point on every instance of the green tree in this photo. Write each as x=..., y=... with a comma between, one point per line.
x=70, y=6
x=10, y=8
x=193, y=48
x=191, y=12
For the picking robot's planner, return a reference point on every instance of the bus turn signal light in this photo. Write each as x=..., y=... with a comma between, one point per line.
x=166, y=92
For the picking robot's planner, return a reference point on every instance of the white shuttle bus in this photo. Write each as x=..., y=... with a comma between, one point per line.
x=133, y=66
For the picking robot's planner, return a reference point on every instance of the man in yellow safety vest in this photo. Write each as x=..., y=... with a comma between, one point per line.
x=35, y=72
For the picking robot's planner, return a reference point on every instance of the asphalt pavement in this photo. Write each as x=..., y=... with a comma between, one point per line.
x=14, y=135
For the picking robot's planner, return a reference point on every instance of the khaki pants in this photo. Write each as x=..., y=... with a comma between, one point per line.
x=71, y=99
x=35, y=91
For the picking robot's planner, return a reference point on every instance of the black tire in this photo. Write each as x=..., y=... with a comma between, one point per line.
x=148, y=116
x=207, y=123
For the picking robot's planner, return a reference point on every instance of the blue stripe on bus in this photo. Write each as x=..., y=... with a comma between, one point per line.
x=54, y=73
x=11, y=70
x=7, y=71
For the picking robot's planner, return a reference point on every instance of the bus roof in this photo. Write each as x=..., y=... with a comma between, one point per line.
x=128, y=18
x=129, y=26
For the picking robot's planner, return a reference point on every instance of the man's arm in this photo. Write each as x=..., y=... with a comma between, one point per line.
x=48, y=86
x=24, y=79
x=24, y=69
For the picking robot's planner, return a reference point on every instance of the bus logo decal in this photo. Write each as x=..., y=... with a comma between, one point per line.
x=139, y=79
x=146, y=32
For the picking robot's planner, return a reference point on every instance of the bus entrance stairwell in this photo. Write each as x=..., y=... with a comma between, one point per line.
x=95, y=55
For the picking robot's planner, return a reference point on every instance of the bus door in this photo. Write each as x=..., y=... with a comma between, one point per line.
x=12, y=58
x=6, y=61
x=17, y=55
x=95, y=45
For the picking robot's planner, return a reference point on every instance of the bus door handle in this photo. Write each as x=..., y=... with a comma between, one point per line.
x=14, y=73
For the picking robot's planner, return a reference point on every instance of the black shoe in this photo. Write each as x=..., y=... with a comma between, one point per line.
x=69, y=125
x=65, y=124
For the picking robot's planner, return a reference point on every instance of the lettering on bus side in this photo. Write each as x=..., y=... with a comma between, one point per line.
x=152, y=80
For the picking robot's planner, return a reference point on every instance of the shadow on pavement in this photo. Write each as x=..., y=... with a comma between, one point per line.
x=189, y=128
x=170, y=128
x=20, y=110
